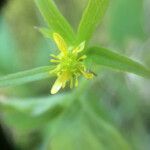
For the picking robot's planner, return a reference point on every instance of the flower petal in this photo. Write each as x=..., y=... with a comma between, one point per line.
x=82, y=58
x=60, y=82
x=79, y=48
x=71, y=82
x=57, y=85
x=61, y=44
x=76, y=82
x=55, y=61
x=87, y=75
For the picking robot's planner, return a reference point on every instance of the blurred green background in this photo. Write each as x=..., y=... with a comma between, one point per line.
x=120, y=101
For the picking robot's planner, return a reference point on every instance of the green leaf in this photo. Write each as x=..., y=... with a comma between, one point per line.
x=25, y=77
x=126, y=21
x=34, y=112
x=55, y=20
x=74, y=135
x=80, y=125
x=105, y=57
x=34, y=106
x=104, y=130
x=90, y=19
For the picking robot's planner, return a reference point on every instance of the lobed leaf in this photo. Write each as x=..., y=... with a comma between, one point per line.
x=55, y=20
x=105, y=57
x=91, y=18
x=25, y=77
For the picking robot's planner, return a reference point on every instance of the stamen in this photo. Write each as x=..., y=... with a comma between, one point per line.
x=54, y=56
x=82, y=58
x=76, y=82
x=54, y=61
x=71, y=82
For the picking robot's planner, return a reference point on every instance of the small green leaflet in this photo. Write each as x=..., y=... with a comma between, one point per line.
x=105, y=57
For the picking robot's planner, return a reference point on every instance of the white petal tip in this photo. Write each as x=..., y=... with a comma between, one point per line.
x=55, y=89
x=53, y=92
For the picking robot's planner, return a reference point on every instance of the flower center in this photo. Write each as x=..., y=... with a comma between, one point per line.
x=70, y=64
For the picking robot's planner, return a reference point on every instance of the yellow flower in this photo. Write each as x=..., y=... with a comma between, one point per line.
x=69, y=65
